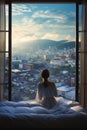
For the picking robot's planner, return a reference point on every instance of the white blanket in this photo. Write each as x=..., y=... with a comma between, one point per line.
x=20, y=114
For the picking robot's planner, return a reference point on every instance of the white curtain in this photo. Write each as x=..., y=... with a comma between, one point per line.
x=2, y=47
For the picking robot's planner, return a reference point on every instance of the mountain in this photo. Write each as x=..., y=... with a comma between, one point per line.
x=43, y=44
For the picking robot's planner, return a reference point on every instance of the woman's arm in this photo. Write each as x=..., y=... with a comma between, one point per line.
x=38, y=93
x=55, y=90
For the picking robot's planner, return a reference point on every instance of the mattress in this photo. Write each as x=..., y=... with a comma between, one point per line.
x=29, y=114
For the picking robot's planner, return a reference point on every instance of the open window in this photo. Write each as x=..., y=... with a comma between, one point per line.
x=25, y=67
x=43, y=36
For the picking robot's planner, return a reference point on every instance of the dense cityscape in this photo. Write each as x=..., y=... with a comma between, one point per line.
x=26, y=68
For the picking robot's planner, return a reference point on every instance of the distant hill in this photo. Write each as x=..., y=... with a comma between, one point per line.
x=44, y=44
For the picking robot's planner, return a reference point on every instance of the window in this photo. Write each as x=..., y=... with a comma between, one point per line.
x=45, y=56
x=3, y=52
x=44, y=36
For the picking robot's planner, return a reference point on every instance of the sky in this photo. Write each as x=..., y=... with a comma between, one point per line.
x=43, y=21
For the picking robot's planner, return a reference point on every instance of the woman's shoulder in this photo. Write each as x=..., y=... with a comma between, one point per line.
x=52, y=83
x=40, y=84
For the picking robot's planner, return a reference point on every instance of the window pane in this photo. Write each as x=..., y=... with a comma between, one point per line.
x=6, y=41
x=5, y=91
x=80, y=17
x=6, y=68
x=43, y=37
x=2, y=41
x=7, y=16
x=6, y=82
x=2, y=58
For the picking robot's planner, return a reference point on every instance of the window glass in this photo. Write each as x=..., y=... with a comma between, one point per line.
x=43, y=36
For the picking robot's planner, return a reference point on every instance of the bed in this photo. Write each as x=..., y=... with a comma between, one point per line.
x=29, y=114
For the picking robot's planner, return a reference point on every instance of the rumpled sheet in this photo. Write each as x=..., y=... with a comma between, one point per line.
x=29, y=114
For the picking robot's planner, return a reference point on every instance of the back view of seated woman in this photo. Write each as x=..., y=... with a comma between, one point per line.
x=46, y=91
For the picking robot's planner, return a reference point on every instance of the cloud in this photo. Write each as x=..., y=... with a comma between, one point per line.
x=52, y=36
x=27, y=38
x=42, y=24
x=26, y=30
x=55, y=15
x=48, y=15
x=20, y=9
x=69, y=38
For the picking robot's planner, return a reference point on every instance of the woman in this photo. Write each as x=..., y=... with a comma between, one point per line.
x=46, y=91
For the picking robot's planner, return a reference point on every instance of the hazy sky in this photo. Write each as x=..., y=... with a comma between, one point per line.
x=43, y=21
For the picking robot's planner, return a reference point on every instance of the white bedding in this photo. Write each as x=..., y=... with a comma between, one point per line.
x=29, y=114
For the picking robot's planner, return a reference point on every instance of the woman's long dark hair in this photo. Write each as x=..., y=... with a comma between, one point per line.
x=45, y=75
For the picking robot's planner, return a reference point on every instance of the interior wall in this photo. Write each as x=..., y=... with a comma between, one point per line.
x=83, y=56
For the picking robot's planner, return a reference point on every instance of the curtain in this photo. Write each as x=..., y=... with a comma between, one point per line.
x=2, y=47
